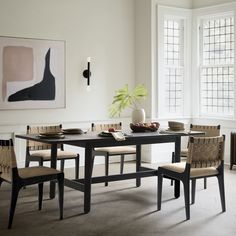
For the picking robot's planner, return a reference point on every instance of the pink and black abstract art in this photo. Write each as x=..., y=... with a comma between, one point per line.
x=32, y=73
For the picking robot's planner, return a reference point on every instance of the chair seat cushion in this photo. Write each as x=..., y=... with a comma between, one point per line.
x=31, y=172
x=46, y=154
x=6, y=176
x=184, y=152
x=117, y=150
x=194, y=172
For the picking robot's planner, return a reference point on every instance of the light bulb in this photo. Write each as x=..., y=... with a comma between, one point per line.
x=88, y=88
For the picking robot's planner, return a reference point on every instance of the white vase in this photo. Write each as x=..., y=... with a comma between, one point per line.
x=138, y=116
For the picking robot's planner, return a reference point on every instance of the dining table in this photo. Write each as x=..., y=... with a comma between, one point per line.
x=91, y=140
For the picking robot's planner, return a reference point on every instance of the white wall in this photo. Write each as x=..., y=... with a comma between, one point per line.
x=143, y=66
x=103, y=30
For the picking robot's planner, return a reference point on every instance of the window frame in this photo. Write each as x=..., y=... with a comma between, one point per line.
x=198, y=16
x=179, y=14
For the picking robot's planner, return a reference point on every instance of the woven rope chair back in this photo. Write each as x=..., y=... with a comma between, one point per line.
x=103, y=127
x=210, y=130
x=7, y=158
x=32, y=145
x=205, y=151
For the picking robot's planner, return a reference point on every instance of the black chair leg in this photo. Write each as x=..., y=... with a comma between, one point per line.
x=14, y=196
x=159, y=191
x=122, y=159
x=92, y=164
x=62, y=165
x=222, y=191
x=205, y=183
x=106, y=167
x=40, y=197
x=77, y=167
x=61, y=194
x=193, y=190
x=186, y=198
x=172, y=160
x=1, y=180
x=27, y=162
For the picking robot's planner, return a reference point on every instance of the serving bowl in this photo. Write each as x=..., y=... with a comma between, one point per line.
x=145, y=127
x=175, y=125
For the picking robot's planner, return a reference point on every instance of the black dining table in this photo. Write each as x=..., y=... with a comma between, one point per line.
x=91, y=140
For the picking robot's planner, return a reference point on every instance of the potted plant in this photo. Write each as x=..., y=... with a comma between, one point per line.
x=124, y=98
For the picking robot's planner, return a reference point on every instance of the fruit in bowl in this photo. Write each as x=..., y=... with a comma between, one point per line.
x=145, y=127
x=111, y=130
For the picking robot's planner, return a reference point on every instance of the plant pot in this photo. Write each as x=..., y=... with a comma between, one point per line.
x=138, y=116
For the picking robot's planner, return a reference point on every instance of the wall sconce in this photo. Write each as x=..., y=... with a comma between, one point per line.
x=87, y=73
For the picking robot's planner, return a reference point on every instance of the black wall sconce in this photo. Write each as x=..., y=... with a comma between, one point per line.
x=87, y=73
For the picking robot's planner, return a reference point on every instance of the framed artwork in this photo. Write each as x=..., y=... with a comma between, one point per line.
x=32, y=73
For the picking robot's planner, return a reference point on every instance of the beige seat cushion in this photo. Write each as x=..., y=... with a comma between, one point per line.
x=117, y=150
x=30, y=172
x=194, y=172
x=184, y=152
x=46, y=154
x=6, y=176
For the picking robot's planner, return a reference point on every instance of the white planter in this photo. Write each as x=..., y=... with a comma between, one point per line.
x=138, y=116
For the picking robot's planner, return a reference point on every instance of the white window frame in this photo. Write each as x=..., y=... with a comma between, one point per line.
x=198, y=16
x=201, y=65
x=185, y=15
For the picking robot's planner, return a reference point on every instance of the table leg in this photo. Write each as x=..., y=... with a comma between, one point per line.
x=177, y=159
x=138, y=163
x=53, y=165
x=87, y=178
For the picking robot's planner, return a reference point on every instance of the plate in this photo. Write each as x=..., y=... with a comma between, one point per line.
x=175, y=129
x=73, y=131
x=55, y=135
x=106, y=134
x=50, y=133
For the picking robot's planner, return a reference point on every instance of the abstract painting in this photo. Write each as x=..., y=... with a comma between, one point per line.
x=32, y=73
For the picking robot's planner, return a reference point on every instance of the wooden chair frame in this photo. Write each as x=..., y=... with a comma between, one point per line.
x=185, y=178
x=106, y=154
x=17, y=183
x=210, y=130
x=40, y=160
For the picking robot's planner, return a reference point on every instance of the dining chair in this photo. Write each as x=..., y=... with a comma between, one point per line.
x=107, y=152
x=209, y=130
x=205, y=159
x=22, y=177
x=41, y=152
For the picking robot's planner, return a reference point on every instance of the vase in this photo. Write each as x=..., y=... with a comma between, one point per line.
x=138, y=116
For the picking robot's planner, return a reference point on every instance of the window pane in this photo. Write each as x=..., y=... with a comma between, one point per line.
x=218, y=41
x=217, y=90
x=174, y=90
x=173, y=59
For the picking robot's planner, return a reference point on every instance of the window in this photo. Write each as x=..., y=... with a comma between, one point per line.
x=217, y=66
x=174, y=62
